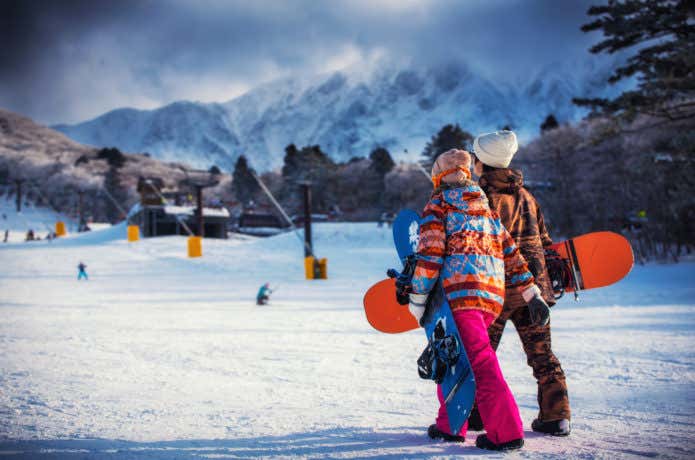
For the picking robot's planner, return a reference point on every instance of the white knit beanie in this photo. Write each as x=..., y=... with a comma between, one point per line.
x=496, y=149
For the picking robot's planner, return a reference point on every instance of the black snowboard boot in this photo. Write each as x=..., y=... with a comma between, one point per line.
x=553, y=428
x=475, y=423
x=483, y=442
x=435, y=433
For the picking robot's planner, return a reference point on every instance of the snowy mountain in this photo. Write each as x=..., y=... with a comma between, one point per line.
x=348, y=113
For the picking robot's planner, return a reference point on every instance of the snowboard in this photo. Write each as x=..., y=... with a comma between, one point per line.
x=444, y=359
x=588, y=261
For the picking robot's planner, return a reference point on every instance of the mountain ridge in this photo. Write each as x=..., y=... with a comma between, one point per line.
x=347, y=112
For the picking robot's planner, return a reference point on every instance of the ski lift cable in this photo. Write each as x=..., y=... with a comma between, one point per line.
x=294, y=228
x=166, y=202
x=423, y=170
x=58, y=217
x=115, y=203
x=24, y=219
x=28, y=226
x=45, y=198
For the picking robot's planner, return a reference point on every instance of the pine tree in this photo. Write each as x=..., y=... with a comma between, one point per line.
x=381, y=161
x=244, y=185
x=549, y=123
x=290, y=162
x=112, y=183
x=313, y=165
x=116, y=192
x=113, y=157
x=664, y=33
x=308, y=164
x=381, y=164
x=449, y=137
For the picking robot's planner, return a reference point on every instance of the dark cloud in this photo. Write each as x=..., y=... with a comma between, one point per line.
x=69, y=60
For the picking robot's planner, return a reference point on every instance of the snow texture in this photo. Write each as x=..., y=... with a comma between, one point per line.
x=159, y=356
x=348, y=113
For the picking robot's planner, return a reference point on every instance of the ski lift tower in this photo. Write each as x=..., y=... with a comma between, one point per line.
x=315, y=268
x=204, y=180
x=18, y=184
x=306, y=195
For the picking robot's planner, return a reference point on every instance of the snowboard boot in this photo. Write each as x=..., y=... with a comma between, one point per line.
x=435, y=433
x=553, y=428
x=475, y=423
x=482, y=442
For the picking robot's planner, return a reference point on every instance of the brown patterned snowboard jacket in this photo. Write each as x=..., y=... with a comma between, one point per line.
x=522, y=216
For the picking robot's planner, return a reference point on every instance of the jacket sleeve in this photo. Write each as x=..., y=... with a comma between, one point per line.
x=430, y=248
x=542, y=229
x=516, y=272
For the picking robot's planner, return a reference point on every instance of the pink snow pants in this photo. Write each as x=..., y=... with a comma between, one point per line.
x=496, y=404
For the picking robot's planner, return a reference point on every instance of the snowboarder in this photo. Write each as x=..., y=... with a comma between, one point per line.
x=521, y=215
x=463, y=241
x=263, y=294
x=81, y=271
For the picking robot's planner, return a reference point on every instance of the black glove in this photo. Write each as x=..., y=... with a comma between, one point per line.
x=537, y=307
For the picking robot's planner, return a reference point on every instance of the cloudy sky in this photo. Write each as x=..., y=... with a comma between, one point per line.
x=70, y=60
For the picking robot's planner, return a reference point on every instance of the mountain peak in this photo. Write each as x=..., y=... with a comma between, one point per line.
x=348, y=112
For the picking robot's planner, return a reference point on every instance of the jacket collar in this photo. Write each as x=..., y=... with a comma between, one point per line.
x=503, y=180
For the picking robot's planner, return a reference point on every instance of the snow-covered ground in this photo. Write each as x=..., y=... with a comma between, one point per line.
x=160, y=356
x=41, y=220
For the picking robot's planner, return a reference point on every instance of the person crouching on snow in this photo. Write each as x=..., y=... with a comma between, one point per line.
x=263, y=294
x=463, y=241
x=522, y=216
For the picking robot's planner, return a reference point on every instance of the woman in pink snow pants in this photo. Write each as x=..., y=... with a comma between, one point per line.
x=463, y=242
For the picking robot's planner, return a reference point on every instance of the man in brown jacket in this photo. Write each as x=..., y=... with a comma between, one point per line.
x=522, y=217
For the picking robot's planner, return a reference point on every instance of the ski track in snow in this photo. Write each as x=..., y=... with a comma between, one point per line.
x=160, y=356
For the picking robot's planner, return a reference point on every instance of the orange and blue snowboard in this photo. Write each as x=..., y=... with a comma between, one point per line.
x=444, y=360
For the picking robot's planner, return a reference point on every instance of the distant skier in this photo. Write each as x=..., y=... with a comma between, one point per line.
x=7, y=236
x=463, y=241
x=263, y=294
x=82, y=271
x=522, y=216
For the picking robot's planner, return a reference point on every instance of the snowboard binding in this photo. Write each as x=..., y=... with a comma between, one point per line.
x=403, y=279
x=560, y=272
x=441, y=353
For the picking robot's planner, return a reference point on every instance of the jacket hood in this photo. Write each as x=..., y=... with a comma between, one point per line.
x=504, y=180
x=470, y=198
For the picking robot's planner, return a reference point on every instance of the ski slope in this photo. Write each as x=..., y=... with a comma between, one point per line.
x=160, y=356
x=41, y=220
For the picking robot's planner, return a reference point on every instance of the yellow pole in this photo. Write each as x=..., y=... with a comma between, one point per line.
x=309, y=267
x=195, y=246
x=323, y=268
x=133, y=233
x=60, y=229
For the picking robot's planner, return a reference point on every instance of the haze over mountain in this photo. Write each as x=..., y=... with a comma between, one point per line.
x=347, y=113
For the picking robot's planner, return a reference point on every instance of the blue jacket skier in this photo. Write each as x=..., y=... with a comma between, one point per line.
x=81, y=271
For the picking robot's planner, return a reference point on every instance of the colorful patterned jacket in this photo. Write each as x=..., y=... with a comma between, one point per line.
x=463, y=241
